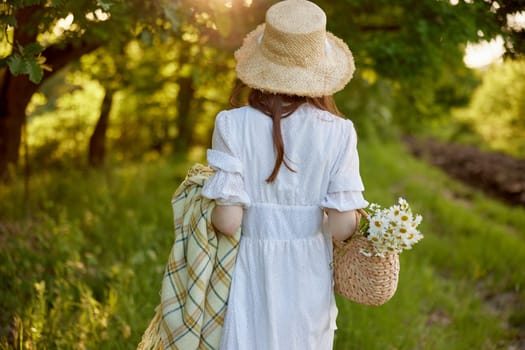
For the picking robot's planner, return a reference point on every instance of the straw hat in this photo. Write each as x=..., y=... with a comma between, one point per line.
x=292, y=53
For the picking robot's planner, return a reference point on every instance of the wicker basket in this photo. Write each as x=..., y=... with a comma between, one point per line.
x=364, y=280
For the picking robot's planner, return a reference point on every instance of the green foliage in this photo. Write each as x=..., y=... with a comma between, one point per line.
x=27, y=61
x=8, y=20
x=85, y=268
x=408, y=55
x=143, y=117
x=417, y=47
x=34, y=70
x=93, y=22
x=399, y=39
x=497, y=110
x=450, y=285
x=368, y=102
x=62, y=119
x=17, y=65
x=74, y=277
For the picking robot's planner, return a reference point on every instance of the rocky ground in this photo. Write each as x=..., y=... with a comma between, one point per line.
x=497, y=174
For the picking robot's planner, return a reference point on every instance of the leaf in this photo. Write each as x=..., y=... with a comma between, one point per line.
x=36, y=73
x=16, y=64
x=32, y=49
x=9, y=20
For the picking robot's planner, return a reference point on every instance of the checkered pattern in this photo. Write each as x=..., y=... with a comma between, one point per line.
x=197, y=278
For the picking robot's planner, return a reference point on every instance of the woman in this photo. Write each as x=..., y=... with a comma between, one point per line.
x=288, y=174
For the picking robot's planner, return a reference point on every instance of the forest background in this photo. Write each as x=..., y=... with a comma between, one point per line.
x=104, y=104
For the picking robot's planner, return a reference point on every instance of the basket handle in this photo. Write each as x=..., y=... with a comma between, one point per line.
x=363, y=214
x=341, y=245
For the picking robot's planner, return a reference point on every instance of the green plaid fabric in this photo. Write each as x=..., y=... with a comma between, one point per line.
x=197, y=278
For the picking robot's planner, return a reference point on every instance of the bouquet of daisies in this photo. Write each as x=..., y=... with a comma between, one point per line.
x=390, y=230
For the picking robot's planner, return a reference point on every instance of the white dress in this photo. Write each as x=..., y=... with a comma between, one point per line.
x=281, y=297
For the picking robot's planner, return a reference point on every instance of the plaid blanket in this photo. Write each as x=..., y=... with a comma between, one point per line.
x=198, y=274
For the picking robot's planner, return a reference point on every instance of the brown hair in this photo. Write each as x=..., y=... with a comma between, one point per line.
x=277, y=107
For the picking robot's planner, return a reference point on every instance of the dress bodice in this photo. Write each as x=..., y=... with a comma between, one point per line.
x=319, y=147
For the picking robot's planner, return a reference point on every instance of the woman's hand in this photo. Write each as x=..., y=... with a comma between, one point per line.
x=342, y=224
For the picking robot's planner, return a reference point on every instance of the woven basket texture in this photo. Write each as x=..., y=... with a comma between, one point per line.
x=365, y=280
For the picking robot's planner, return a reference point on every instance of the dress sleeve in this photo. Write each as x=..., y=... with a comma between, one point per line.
x=226, y=185
x=345, y=189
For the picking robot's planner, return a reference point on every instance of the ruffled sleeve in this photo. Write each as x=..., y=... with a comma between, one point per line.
x=345, y=189
x=226, y=185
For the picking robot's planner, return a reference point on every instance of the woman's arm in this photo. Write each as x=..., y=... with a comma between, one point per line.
x=227, y=219
x=342, y=224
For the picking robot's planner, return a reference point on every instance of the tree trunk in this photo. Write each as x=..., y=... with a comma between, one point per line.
x=97, y=141
x=185, y=97
x=15, y=94
x=16, y=91
x=185, y=123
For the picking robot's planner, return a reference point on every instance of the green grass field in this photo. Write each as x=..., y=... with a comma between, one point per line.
x=81, y=260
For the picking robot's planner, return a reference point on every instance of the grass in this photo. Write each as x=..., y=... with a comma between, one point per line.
x=81, y=262
x=83, y=272
x=450, y=284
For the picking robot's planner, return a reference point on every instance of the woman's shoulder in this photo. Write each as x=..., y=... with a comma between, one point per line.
x=240, y=116
x=323, y=118
x=238, y=112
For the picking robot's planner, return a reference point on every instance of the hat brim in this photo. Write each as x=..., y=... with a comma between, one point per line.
x=324, y=78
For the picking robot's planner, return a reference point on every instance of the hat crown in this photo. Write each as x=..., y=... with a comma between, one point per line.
x=295, y=33
x=296, y=17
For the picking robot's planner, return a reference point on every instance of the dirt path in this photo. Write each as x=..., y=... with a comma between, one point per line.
x=497, y=174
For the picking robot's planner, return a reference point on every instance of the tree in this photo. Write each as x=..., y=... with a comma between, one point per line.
x=108, y=66
x=216, y=28
x=412, y=43
x=46, y=36
x=497, y=109
x=97, y=141
x=38, y=51
x=407, y=44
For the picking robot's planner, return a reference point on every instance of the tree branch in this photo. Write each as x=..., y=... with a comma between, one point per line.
x=59, y=56
x=25, y=33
